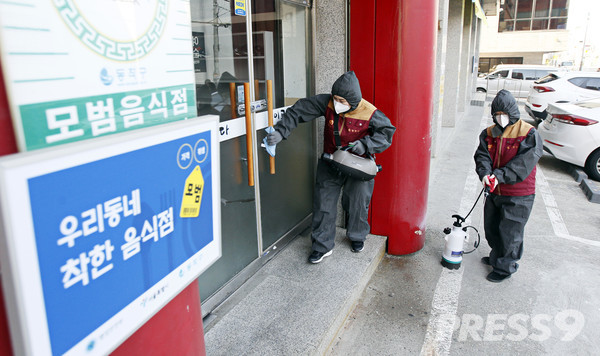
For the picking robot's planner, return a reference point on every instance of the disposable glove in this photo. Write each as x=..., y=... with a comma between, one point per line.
x=490, y=181
x=274, y=138
x=358, y=148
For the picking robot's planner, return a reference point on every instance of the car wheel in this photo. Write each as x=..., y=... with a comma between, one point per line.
x=592, y=165
x=480, y=90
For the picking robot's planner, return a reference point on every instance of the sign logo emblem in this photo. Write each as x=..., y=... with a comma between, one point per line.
x=119, y=41
x=105, y=77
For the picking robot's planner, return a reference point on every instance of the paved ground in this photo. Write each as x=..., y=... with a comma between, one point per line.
x=551, y=306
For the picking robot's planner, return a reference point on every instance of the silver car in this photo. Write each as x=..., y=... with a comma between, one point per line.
x=516, y=78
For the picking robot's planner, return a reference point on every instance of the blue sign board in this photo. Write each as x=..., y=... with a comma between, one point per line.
x=119, y=236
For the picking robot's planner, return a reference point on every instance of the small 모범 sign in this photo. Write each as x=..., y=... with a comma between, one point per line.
x=192, y=194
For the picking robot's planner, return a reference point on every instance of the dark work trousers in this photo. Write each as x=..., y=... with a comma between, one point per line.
x=505, y=218
x=355, y=200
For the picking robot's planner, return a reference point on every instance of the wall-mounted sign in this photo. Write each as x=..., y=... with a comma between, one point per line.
x=81, y=69
x=97, y=239
x=240, y=7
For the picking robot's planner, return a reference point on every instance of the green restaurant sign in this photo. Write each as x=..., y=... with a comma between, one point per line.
x=76, y=70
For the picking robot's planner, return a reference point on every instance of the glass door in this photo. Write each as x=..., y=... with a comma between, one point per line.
x=281, y=38
x=221, y=68
x=257, y=208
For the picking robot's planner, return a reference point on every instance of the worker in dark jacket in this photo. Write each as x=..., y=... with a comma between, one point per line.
x=506, y=164
x=363, y=128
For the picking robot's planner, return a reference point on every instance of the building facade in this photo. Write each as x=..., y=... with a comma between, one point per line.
x=550, y=32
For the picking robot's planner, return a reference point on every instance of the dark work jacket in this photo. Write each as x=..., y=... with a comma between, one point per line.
x=362, y=122
x=510, y=154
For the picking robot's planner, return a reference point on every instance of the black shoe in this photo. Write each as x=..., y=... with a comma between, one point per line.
x=316, y=256
x=485, y=260
x=357, y=246
x=497, y=277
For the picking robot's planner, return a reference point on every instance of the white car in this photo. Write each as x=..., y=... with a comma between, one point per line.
x=561, y=87
x=571, y=133
x=516, y=78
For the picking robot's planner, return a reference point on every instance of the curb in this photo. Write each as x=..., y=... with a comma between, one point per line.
x=577, y=173
x=591, y=189
x=330, y=337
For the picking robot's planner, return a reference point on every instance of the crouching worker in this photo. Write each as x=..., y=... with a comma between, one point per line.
x=361, y=127
x=505, y=162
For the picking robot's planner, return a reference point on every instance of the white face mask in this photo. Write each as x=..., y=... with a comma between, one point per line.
x=339, y=107
x=502, y=120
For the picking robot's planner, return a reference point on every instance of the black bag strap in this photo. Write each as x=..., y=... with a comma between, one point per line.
x=336, y=132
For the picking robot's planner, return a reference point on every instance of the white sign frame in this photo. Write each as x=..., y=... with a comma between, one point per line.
x=22, y=282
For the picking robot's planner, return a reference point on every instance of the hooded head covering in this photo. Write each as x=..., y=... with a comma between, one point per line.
x=505, y=102
x=347, y=87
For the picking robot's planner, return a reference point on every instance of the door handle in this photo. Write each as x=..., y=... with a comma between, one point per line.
x=236, y=146
x=270, y=119
x=232, y=99
x=249, y=144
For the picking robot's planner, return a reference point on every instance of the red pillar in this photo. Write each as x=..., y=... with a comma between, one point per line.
x=8, y=143
x=7, y=146
x=5, y=344
x=399, y=72
x=174, y=330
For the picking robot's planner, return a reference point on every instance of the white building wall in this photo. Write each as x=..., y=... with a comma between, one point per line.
x=531, y=45
x=559, y=45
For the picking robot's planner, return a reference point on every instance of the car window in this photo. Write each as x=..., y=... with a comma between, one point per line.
x=527, y=74
x=498, y=74
x=547, y=79
x=578, y=81
x=593, y=84
x=540, y=73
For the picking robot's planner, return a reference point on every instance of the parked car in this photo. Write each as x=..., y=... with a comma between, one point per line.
x=571, y=133
x=516, y=78
x=561, y=87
